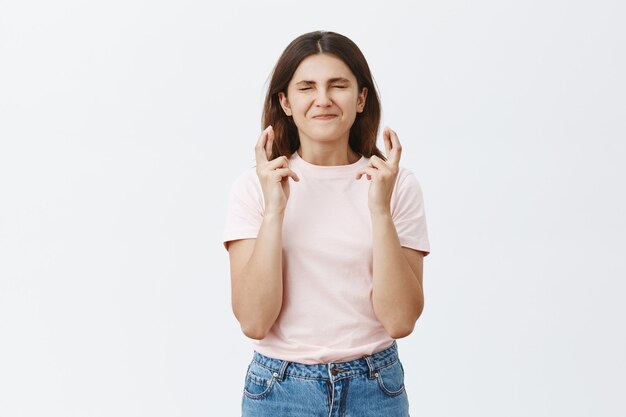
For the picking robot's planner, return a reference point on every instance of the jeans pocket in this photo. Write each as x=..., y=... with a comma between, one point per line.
x=259, y=382
x=391, y=379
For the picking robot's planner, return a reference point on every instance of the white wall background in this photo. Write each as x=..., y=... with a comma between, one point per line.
x=123, y=124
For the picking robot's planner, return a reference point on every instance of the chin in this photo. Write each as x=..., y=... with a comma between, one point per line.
x=326, y=135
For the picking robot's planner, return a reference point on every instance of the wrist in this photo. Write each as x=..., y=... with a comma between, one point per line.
x=273, y=215
x=380, y=213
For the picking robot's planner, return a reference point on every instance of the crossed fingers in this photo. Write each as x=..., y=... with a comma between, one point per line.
x=263, y=148
x=377, y=165
x=278, y=168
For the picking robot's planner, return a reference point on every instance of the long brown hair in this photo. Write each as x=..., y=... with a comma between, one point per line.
x=365, y=128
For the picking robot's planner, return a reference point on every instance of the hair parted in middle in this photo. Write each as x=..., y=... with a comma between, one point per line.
x=363, y=132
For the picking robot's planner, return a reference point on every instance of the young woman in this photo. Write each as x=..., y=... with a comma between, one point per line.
x=326, y=267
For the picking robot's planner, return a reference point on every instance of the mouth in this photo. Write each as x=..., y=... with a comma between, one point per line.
x=327, y=116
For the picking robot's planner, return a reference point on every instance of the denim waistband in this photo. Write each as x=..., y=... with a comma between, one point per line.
x=367, y=364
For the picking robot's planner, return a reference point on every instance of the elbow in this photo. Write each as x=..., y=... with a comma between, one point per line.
x=254, y=324
x=255, y=328
x=398, y=332
x=403, y=328
x=254, y=332
x=251, y=327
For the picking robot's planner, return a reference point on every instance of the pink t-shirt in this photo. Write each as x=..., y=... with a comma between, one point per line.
x=327, y=313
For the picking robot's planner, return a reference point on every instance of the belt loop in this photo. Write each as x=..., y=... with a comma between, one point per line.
x=371, y=370
x=281, y=372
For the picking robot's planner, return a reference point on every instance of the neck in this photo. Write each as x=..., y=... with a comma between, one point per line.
x=328, y=157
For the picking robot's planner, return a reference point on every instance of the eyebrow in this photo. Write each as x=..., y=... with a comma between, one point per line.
x=330, y=81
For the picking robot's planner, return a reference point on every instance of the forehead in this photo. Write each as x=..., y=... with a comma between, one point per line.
x=321, y=67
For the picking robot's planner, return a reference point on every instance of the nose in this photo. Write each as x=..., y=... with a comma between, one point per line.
x=323, y=98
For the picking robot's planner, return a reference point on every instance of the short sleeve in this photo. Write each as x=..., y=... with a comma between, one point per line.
x=408, y=213
x=245, y=208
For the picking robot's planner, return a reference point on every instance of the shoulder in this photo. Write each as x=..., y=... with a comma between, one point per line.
x=246, y=188
x=407, y=179
x=407, y=190
x=247, y=179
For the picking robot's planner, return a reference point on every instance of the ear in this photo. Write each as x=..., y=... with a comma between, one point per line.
x=284, y=103
x=360, y=104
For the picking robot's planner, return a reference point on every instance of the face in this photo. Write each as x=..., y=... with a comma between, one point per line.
x=323, y=98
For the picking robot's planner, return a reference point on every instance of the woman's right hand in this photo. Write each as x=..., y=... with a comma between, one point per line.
x=273, y=175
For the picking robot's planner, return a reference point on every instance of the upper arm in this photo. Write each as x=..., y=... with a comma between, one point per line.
x=408, y=213
x=415, y=258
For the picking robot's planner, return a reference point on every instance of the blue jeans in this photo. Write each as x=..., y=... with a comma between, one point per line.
x=372, y=386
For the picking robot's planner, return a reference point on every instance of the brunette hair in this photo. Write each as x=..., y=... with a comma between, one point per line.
x=365, y=127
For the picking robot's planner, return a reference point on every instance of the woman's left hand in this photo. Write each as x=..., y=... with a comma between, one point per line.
x=383, y=174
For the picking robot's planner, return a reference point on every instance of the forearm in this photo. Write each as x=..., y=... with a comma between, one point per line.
x=397, y=294
x=258, y=293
